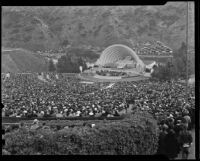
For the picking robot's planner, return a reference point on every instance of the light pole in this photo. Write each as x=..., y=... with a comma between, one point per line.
x=187, y=52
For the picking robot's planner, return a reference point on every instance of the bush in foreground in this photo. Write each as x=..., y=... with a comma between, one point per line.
x=137, y=134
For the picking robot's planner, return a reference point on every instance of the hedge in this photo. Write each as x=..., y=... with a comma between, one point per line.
x=15, y=119
x=137, y=134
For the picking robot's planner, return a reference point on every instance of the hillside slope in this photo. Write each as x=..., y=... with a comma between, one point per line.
x=21, y=61
x=41, y=28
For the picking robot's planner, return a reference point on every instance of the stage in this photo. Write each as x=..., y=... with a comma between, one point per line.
x=96, y=78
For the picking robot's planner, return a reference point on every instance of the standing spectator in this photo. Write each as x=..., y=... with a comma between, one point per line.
x=170, y=122
x=187, y=121
x=185, y=140
x=23, y=127
x=171, y=144
x=192, y=118
x=3, y=113
x=178, y=127
x=161, y=142
x=59, y=115
x=35, y=125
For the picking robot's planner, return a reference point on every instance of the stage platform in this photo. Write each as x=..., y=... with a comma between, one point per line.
x=95, y=78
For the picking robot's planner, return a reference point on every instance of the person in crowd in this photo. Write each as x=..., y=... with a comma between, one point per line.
x=3, y=112
x=187, y=120
x=171, y=144
x=15, y=127
x=178, y=127
x=24, y=95
x=35, y=125
x=8, y=129
x=161, y=142
x=59, y=115
x=93, y=125
x=23, y=127
x=58, y=127
x=67, y=97
x=185, y=139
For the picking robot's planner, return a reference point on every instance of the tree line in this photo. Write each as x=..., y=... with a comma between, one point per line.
x=177, y=68
x=67, y=64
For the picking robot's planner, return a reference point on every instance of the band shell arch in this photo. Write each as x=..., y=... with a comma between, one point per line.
x=118, y=52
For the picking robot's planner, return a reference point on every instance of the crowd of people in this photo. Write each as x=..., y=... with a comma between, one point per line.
x=24, y=95
x=110, y=73
x=175, y=137
x=28, y=96
x=153, y=48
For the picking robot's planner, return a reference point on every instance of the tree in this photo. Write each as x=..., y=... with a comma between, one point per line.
x=61, y=65
x=51, y=66
x=180, y=59
x=70, y=64
x=65, y=65
x=65, y=43
x=162, y=72
x=82, y=63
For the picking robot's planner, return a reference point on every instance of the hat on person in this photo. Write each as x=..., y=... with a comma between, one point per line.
x=187, y=105
x=91, y=113
x=185, y=111
x=92, y=125
x=165, y=127
x=35, y=121
x=66, y=127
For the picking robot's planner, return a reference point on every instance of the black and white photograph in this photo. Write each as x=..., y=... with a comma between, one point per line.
x=99, y=80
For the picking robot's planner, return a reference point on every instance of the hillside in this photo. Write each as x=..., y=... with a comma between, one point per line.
x=21, y=61
x=43, y=28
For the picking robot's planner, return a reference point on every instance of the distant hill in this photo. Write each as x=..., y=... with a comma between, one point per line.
x=54, y=27
x=21, y=61
x=41, y=28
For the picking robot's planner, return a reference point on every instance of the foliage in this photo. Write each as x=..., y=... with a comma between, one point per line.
x=63, y=65
x=51, y=66
x=23, y=61
x=137, y=134
x=180, y=60
x=176, y=68
x=80, y=52
x=66, y=65
x=82, y=63
x=162, y=72
x=54, y=27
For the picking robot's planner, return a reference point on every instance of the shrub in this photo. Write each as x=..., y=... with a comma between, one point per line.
x=136, y=134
